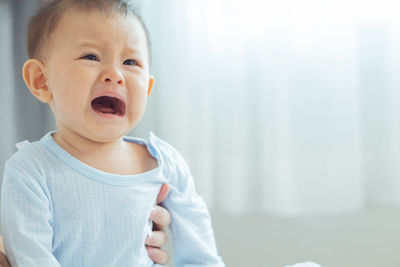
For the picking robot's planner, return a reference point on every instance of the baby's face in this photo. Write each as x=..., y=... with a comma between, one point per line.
x=98, y=72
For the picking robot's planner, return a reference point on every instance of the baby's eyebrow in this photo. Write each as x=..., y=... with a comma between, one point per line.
x=131, y=50
x=128, y=50
x=87, y=44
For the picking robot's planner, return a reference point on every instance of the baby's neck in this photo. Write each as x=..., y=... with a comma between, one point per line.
x=79, y=146
x=118, y=157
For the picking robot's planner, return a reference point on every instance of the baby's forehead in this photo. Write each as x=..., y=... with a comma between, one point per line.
x=95, y=20
x=47, y=22
x=100, y=29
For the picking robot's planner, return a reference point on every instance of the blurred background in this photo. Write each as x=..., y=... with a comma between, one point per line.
x=286, y=111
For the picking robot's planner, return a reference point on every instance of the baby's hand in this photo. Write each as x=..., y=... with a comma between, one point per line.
x=161, y=218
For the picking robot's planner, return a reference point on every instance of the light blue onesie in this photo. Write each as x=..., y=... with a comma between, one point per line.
x=58, y=211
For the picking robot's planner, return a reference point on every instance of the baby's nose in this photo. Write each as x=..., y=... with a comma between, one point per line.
x=111, y=80
x=113, y=76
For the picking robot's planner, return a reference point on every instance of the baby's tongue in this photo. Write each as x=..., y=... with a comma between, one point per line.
x=101, y=107
x=106, y=110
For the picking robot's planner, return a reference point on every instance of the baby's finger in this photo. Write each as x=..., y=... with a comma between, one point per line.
x=157, y=239
x=163, y=193
x=161, y=217
x=157, y=255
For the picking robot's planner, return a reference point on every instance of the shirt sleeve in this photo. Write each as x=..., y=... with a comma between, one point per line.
x=194, y=243
x=26, y=218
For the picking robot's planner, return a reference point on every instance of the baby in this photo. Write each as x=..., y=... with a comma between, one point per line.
x=82, y=195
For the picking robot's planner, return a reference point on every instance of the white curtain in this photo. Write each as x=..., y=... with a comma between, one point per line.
x=283, y=107
x=280, y=107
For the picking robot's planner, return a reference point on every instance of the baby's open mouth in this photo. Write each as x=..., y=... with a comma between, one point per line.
x=109, y=105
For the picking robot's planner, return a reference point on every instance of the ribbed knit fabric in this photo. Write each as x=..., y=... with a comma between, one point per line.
x=58, y=211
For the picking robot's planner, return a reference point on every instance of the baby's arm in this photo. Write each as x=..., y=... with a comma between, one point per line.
x=26, y=218
x=194, y=243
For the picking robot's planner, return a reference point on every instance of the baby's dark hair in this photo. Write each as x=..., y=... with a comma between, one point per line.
x=45, y=21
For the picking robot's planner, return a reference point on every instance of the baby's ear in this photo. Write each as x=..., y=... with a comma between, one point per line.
x=34, y=76
x=151, y=84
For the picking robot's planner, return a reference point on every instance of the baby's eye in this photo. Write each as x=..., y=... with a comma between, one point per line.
x=90, y=57
x=130, y=62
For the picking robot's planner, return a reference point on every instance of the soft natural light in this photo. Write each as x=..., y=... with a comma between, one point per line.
x=286, y=112
x=291, y=82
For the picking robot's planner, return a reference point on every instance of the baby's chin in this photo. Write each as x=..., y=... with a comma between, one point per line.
x=107, y=136
x=97, y=135
x=100, y=129
x=91, y=128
